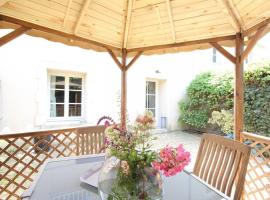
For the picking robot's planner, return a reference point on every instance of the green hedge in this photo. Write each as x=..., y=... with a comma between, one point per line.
x=209, y=92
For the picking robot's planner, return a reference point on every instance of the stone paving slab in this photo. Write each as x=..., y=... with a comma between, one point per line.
x=190, y=141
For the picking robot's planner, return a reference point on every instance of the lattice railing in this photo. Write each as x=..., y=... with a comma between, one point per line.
x=21, y=155
x=257, y=186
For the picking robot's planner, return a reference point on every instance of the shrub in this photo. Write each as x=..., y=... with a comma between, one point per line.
x=209, y=92
x=257, y=98
x=224, y=119
x=206, y=93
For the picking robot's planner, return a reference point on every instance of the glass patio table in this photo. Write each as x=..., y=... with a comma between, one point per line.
x=59, y=179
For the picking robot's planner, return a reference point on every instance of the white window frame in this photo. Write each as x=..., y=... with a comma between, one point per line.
x=156, y=97
x=67, y=75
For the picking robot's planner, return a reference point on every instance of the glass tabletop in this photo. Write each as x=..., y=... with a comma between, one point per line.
x=60, y=179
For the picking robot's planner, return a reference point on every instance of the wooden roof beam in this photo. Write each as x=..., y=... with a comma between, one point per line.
x=181, y=44
x=56, y=32
x=12, y=35
x=235, y=17
x=224, y=52
x=81, y=16
x=121, y=65
x=253, y=41
x=169, y=9
x=128, y=22
x=67, y=13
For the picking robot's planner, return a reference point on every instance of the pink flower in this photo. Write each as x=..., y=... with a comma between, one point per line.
x=172, y=160
x=107, y=124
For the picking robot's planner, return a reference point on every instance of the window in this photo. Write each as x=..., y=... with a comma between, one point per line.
x=150, y=103
x=66, y=96
x=214, y=57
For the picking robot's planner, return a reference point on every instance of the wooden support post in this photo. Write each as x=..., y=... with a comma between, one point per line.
x=124, y=66
x=224, y=52
x=239, y=88
x=12, y=35
x=119, y=64
x=124, y=89
x=134, y=59
x=253, y=41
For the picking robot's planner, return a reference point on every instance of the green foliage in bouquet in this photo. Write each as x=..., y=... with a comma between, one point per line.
x=132, y=148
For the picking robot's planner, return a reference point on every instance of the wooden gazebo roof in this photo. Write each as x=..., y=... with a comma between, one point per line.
x=151, y=26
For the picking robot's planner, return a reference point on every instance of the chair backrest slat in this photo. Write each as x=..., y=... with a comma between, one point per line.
x=228, y=171
x=223, y=169
x=222, y=163
x=234, y=172
x=209, y=163
x=214, y=166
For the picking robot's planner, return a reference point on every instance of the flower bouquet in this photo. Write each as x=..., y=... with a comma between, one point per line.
x=132, y=170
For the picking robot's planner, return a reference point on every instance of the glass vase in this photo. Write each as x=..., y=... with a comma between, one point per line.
x=142, y=184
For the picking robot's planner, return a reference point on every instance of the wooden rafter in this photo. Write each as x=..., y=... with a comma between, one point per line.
x=128, y=22
x=134, y=59
x=180, y=44
x=56, y=32
x=224, y=52
x=253, y=41
x=169, y=9
x=67, y=12
x=12, y=35
x=114, y=57
x=81, y=16
x=234, y=15
x=3, y=2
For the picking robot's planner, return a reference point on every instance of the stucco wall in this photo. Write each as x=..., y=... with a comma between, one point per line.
x=24, y=88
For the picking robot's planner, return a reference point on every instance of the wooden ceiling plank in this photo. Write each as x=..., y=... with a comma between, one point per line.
x=169, y=9
x=56, y=32
x=67, y=13
x=194, y=42
x=224, y=52
x=81, y=16
x=253, y=41
x=3, y=2
x=161, y=27
x=256, y=27
x=235, y=17
x=115, y=59
x=134, y=59
x=230, y=15
x=12, y=35
x=127, y=25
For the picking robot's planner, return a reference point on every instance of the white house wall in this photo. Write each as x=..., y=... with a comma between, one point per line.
x=24, y=67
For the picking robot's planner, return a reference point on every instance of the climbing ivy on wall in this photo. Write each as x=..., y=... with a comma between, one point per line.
x=209, y=92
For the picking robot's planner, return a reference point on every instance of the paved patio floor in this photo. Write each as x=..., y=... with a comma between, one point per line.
x=190, y=141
